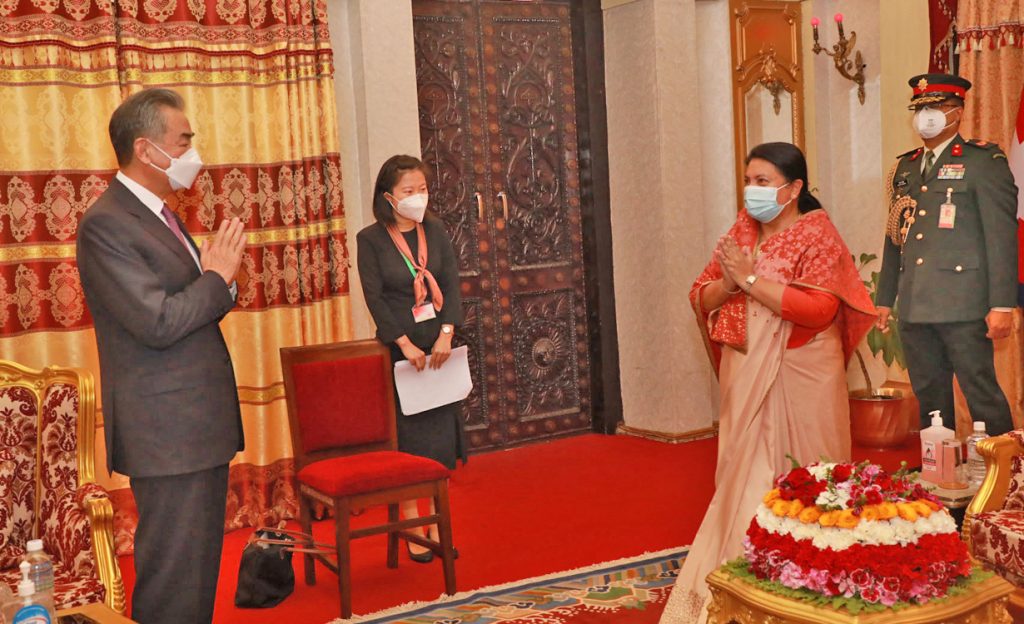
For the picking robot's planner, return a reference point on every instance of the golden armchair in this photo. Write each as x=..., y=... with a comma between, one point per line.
x=47, y=483
x=994, y=521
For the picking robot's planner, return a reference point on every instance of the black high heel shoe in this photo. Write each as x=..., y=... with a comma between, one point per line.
x=424, y=557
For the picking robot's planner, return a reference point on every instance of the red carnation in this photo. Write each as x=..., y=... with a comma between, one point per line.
x=842, y=472
x=798, y=477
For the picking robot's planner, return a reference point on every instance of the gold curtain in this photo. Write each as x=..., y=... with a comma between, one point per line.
x=992, y=58
x=257, y=78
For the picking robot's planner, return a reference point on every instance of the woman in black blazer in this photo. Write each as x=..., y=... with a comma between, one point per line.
x=393, y=286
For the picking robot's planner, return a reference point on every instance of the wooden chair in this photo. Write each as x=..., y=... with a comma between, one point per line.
x=994, y=522
x=341, y=411
x=47, y=484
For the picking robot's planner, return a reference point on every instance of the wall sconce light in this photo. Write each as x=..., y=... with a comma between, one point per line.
x=841, y=54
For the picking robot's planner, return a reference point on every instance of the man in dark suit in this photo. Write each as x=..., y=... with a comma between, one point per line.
x=170, y=404
x=951, y=257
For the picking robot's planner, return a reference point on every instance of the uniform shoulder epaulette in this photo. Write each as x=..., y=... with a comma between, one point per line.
x=915, y=152
x=985, y=145
x=988, y=146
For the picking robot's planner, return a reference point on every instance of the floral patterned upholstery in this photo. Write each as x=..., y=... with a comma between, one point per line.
x=994, y=521
x=65, y=530
x=997, y=538
x=43, y=494
x=1015, y=492
x=18, y=427
x=71, y=590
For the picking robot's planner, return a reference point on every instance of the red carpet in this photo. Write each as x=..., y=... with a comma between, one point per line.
x=521, y=513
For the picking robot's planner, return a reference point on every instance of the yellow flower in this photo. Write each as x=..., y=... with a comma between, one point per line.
x=771, y=497
x=887, y=510
x=828, y=518
x=934, y=506
x=922, y=508
x=847, y=519
x=907, y=512
x=810, y=515
x=795, y=507
x=780, y=507
x=869, y=513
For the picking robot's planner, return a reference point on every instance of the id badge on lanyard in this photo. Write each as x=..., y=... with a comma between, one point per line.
x=424, y=311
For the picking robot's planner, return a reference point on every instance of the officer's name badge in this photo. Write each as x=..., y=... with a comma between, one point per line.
x=952, y=172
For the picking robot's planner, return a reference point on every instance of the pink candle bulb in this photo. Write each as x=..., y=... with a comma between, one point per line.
x=815, y=22
x=839, y=18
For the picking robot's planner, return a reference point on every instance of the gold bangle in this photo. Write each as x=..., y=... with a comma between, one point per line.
x=731, y=292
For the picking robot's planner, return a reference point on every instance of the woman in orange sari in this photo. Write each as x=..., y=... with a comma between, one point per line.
x=782, y=308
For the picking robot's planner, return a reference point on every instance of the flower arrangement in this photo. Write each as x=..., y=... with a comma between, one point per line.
x=855, y=531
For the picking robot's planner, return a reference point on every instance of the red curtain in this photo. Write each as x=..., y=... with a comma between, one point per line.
x=940, y=16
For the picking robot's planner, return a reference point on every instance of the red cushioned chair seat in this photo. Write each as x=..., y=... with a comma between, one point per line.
x=369, y=472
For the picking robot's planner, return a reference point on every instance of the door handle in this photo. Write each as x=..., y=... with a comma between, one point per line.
x=479, y=207
x=504, y=205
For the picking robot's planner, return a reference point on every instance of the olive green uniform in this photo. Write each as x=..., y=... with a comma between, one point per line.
x=947, y=279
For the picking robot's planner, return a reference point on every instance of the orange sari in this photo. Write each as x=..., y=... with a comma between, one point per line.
x=774, y=401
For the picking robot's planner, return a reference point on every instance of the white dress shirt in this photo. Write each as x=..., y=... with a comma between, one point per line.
x=155, y=204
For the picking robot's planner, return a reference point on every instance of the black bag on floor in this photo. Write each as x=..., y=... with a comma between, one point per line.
x=265, y=574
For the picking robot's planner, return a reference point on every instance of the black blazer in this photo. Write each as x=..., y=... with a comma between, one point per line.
x=170, y=405
x=387, y=282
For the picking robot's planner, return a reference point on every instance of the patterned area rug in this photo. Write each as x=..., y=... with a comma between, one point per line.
x=628, y=590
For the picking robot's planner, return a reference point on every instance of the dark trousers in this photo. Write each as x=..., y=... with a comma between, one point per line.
x=177, y=546
x=937, y=351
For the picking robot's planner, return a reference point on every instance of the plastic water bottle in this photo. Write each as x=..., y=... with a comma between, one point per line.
x=975, y=462
x=26, y=608
x=40, y=573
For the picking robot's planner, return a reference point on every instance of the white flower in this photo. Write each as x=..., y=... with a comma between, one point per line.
x=878, y=532
x=820, y=471
x=837, y=498
x=867, y=532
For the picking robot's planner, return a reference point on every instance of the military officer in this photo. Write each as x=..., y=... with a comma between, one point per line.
x=950, y=258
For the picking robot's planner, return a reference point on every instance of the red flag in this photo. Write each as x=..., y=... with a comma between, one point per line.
x=1016, y=157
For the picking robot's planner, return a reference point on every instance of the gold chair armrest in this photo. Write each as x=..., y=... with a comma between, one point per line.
x=998, y=453
x=101, y=520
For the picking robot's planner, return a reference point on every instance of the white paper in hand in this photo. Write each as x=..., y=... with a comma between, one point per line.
x=424, y=390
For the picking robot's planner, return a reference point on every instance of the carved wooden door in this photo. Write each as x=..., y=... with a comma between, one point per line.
x=498, y=130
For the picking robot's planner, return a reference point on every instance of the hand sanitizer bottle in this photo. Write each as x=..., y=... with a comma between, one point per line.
x=931, y=448
x=27, y=609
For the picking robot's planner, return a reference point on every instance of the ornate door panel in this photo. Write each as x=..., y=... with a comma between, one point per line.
x=498, y=129
x=531, y=115
x=447, y=77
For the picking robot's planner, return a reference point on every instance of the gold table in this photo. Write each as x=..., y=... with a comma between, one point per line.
x=734, y=601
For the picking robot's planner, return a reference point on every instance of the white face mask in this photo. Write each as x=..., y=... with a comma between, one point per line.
x=413, y=207
x=761, y=202
x=183, y=170
x=930, y=122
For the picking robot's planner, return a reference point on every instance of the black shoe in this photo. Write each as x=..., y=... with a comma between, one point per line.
x=424, y=557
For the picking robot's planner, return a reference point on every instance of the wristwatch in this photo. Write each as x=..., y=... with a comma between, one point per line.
x=446, y=329
x=750, y=281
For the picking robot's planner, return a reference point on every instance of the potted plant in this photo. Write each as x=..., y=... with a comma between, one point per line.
x=879, y=415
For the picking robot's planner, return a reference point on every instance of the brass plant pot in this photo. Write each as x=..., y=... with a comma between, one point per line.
x=877, y=419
